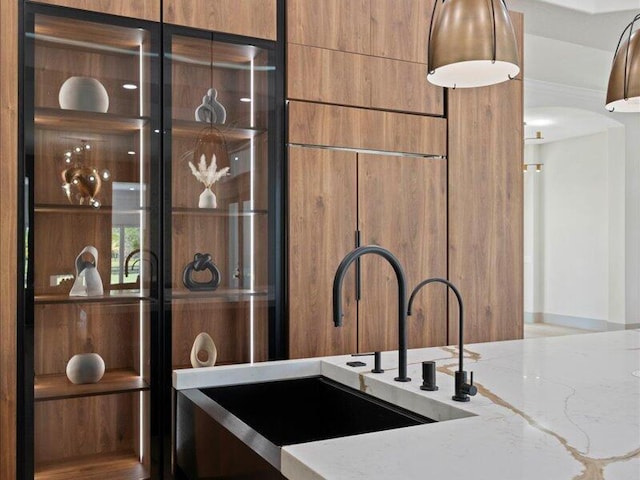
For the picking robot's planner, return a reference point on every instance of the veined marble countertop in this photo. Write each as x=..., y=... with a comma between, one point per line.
x=558, y=408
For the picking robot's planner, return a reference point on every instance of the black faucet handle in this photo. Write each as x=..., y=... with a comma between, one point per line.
x=463, y=389
x=377, y=360
x=469, y=388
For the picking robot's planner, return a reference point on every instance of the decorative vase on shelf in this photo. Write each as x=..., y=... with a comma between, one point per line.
x=208, y=175
x=88, y=282
x=85, y=368
x=207, y=199
x=203, y=343
x=83, y=93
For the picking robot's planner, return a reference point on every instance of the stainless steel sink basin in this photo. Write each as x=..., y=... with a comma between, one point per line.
x=267, y=416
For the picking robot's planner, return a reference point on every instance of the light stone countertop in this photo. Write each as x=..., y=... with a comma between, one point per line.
x=560, y=408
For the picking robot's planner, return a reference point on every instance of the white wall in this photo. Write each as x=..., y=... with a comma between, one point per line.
x=576, y=216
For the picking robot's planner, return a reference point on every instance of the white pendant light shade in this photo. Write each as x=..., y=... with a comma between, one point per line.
x=471, y=44
x=623, y=94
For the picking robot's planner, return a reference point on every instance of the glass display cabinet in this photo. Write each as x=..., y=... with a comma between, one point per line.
x=92, y=229
x=152, y=230
x=219, y=109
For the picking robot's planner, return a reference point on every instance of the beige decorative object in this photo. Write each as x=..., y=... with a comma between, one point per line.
x=208, y=175
x=203, y=343
x=85, y=368
x=83, y=93
x=88, y=282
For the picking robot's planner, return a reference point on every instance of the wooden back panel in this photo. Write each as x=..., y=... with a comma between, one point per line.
x=8, y=235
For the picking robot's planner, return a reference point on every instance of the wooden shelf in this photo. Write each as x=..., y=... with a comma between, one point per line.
x=84, y=209
x=216, y=212
x=58, y=119
x=123, y=466
x=114, y=296
x=56, y=387
x=221, y=294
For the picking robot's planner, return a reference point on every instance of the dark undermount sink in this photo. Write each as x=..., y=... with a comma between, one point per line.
x=302, y=410
x=238, y=431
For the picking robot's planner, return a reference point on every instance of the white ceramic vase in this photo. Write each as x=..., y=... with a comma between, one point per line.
x=203, y=343
x=85, y=368
x=83, y=93
x=207, y=199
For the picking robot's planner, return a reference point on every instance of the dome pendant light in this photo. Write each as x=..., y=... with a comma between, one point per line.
x=471, y=44
x=623, y=94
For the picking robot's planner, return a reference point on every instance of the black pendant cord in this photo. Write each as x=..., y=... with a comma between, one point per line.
x=494, y=46
x=430, y=70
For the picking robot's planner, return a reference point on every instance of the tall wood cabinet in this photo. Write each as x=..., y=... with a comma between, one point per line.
x=338, y=199
x=131, y=248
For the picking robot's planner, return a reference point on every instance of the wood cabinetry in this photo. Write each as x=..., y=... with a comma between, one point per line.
x=9, y=181
x=321, y=231
x=364, y=129
x=402, y=206
x=485, y=210
x=144, y=9
x=103, y=145
x=100, y=153
x=369, y=54
x=397, y=202
x=252, y=18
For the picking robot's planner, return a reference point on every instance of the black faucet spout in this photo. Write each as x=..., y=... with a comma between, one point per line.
x=402, y=295
x=462, y=389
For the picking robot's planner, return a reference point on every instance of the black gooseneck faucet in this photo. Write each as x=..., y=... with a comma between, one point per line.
x=402, y=295
x=462, y=389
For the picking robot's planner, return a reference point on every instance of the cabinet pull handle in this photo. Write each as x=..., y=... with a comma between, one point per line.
x=358, y=284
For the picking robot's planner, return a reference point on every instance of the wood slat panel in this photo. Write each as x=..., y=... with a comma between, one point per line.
x=328, y=125
x=485, y=210
x=403, y=86
x=322, y=223
x=145, y=9
x=402, y=207
x=8, y=235
x=251, y=18
x=400, y=29
x=328, y=76
x=334, y=24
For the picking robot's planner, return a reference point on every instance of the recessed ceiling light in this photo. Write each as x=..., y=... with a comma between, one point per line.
x=539, y=122
x=131, y=152
x=129, y=86
x=245, y=100
x=132, y=189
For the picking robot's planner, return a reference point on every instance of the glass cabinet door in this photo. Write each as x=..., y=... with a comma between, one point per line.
x=92, y=266
x=218, y=110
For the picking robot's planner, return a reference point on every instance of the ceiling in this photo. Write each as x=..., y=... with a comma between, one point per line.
x=596, y=6
x=560, y=123
x=573, y=21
